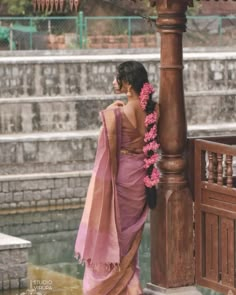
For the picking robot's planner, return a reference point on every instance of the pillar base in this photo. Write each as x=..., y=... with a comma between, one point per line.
x=156, y=290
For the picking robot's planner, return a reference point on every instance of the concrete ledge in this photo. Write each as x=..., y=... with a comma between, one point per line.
x=10, y=242
x=38, y=176
x=52, y=136
x=156, y=290
x=212, y=129
x=40, y=59
x=90, y=51
x=58, y=98
x=103, y=97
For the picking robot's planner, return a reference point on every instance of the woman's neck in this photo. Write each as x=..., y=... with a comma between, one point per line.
x=133, y=98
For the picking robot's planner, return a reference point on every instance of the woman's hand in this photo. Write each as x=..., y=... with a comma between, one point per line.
x=117, y=103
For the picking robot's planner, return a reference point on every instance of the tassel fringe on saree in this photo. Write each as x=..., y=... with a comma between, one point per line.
x=115, y=211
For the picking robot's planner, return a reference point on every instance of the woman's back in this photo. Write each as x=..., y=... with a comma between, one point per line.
x=132, y=138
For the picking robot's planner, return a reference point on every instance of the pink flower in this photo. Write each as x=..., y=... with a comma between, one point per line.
x=153, y=180
x=146, y=90
x=152, y=146
x=150, y=161
x=151, y=119
x=155, y=175
x=151, y=135
x=143, y=101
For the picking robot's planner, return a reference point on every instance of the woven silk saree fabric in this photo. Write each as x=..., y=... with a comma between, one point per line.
x=115, y=211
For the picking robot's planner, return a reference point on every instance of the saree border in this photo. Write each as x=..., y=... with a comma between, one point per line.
x=122, y=274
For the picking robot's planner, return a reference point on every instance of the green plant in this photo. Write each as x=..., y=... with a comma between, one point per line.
x=18, y=7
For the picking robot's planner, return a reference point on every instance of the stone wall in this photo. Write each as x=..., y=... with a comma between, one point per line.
x=52, y=114
x=25, y=76
x=42, y=153
x=37, y=223
x=49, y=118
x=40, y=191
x=13, y=262
x=73, y=113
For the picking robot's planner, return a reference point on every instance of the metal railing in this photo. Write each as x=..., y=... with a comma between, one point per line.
x=27, y=33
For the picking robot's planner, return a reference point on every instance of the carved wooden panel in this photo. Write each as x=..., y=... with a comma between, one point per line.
x=212, y=247
x=227, y=251
x=215, y=203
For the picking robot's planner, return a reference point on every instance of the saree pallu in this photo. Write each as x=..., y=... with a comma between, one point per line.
x=115, y=211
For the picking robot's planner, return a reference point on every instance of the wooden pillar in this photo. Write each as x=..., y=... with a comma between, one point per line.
x=172, y=263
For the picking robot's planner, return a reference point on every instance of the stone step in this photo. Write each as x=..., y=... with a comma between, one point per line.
x=211, y=107
x=47, y=152
x=203, y=130
x=66, y=74
x=60, y=114
x=42, y=191
x=51, y=114
x=44, y=170
x=69, y=151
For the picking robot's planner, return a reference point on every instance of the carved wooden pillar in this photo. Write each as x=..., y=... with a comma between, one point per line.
x=172, y=263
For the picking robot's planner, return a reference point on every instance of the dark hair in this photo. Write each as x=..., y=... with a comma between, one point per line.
x=136, y=75
x=132, y=72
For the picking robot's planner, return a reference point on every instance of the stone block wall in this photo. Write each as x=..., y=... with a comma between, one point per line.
x=60, y=190
x=36, y=224
x=83, y=75
x=13, y=262
x=52, y=114
x=49, y=117
x=47, y=153
x=13, y=265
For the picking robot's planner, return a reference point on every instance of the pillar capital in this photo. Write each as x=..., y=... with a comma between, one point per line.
x=171, y=15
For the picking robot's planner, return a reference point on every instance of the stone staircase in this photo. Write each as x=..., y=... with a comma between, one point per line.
x=47, y=149
x=48, y=134
x=48, y=144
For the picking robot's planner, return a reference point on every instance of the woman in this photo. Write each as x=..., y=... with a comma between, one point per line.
x=122, y=186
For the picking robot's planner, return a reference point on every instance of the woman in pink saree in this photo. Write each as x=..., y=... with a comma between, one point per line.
x=122, y=187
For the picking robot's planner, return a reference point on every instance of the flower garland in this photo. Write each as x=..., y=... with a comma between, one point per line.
x=151, y=146
x=151, y=119
x=146, y=90
x=150, y=161
x=153, y=180
x=151, y=135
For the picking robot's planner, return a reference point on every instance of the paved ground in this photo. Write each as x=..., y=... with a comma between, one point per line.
x=47, y=282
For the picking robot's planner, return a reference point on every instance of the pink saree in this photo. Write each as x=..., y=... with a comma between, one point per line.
x=115, y=211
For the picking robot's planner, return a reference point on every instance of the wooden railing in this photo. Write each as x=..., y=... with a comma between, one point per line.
x=215, y=214
x=190, y=153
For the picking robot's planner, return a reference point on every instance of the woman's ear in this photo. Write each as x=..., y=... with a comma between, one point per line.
x=124, y=87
